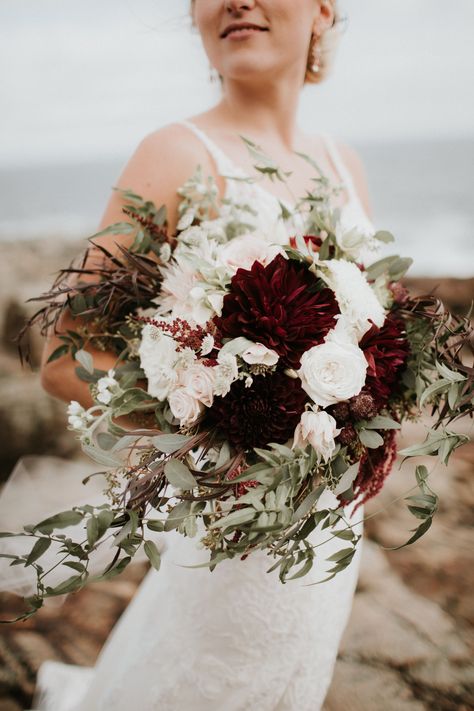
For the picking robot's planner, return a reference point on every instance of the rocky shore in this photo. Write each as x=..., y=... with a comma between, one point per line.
x=410, y=641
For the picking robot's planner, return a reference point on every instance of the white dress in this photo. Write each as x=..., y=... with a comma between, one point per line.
x=235, y=639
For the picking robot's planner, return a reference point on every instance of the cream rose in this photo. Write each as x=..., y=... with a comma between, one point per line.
x=158, y=356
x=318, y=429
x=243, y=251
x=199, y=382
x=333, y=372
x=184, y=406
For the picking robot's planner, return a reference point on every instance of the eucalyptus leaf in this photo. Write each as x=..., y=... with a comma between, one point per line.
x=304, y=570
x=305, y=507
x=86, y=360
x=382, y=423
x=236, y=518
x=156, y=525
x=179, y=475
x=449, y=374
x=384, y=236
x=92, y=530
x=153, y=554
x=170, y=443
x=177, y=515
x=371, y=439
x=40, y=547
x=347, y=479
x=342, y=555
x=60, y=520
x=105, y=459
x=106, y=441
x=67, y=586
x=434, y=389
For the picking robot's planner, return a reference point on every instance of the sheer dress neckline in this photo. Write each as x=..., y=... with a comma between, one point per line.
x=227, y=167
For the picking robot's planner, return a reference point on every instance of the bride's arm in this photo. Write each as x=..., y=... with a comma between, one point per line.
x=161, y=164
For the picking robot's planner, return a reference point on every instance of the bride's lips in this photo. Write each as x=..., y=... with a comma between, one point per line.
x=242, y=30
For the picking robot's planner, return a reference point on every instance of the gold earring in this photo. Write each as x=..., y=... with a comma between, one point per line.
x=315, y=55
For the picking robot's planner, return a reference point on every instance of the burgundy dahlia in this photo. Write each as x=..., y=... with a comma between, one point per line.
x=266, y=412
x=279, y=305
x=386, y=350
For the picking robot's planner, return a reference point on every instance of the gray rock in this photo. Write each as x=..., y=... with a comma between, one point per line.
x=360, y=687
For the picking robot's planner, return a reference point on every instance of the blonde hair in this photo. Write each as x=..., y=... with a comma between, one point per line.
x=323, y=48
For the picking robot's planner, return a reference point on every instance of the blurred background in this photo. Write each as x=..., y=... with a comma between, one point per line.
x=80, y=85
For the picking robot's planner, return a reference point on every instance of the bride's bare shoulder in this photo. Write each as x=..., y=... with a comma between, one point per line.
x=162, y=162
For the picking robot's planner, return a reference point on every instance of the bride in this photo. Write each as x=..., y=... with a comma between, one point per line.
x=235, y=639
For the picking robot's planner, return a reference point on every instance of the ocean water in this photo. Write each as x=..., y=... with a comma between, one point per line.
x=421, y=191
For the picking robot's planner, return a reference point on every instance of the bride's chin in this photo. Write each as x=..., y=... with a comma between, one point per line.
x=248, y=71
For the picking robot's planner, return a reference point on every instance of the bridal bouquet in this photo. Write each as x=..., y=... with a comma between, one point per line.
x=257, y=373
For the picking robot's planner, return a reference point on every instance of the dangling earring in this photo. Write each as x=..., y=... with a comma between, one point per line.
x=315, y=56
x=213, y=74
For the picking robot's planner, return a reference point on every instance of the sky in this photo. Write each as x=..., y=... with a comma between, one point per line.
x=86, y=81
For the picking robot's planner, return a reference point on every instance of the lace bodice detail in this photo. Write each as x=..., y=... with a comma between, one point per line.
x=267, y=205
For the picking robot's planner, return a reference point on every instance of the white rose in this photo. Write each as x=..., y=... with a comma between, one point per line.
x=258, y=354
x=333, y=372
x=158, y=356
x=355, y=297
x=243, y=251
x=162, y=384
x=184, y=406
x=199, y=381
x=319, y=430
x=343, y=332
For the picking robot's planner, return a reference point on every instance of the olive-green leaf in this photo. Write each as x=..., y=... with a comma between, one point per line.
x=101, y=457
x=382, y=423
x=384, y=236
x=235, y=518
x=179, y=475
x=371, y=439
x=60, y=520
x=79, y=567
x=170, y=443
x=177, y=515
x=307, y=504
x=155, y=525
x=67, y=586
x=92, y=530
x=86, y=360
x=153, y=554
x=40, y=547
x=434, y=389
x=104, y=520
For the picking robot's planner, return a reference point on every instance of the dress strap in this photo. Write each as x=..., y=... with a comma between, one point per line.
x=224, y=165
x=340, y=165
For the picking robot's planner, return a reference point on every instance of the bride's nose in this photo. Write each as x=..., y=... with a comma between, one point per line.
x=236, y=6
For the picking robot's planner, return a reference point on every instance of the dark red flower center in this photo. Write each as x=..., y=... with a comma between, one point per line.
x=283, y=305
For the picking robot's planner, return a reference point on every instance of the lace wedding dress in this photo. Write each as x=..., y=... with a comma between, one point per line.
x=235, y=639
